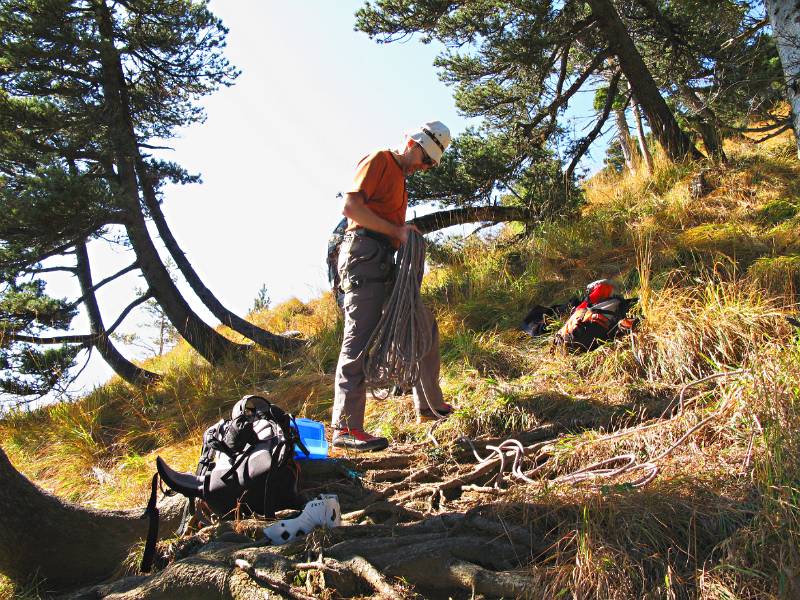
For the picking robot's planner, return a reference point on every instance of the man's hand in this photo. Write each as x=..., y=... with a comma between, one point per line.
x=403, y=232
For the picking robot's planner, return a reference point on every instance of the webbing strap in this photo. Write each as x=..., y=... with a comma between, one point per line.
x=295, y=437
x=150, y=512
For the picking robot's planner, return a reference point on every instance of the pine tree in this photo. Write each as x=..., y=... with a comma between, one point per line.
x=84, y=86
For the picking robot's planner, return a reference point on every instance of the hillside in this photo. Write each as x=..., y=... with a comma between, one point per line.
x=704, y=395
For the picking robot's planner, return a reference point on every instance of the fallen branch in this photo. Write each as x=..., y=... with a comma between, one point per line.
x=377, y=507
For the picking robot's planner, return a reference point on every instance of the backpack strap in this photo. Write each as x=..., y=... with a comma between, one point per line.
x=295, y=438
x=151, y=512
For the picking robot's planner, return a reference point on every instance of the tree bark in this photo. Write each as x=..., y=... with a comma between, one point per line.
x=624, y=136
x=252, y=332
x=121, y=365
x=665, y=128
x=705, y=120
x=66, y=544
x=208, y=342
x=647, y=157
x=471, y=214
x=785, y=20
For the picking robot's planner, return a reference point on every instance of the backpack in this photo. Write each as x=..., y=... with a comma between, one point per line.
x=332, y=259
x=596, y=319
x=246, y=467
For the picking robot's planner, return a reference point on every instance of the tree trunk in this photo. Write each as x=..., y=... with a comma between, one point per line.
x=471, y=214
x=637, y=116
x=121, y=365
x=706, y=123
x=208, y=342
x=624, y=136
x=66, y=544
x=785, y=20
x=665, y=128
x=252, y=332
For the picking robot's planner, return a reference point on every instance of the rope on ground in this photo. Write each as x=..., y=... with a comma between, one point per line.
x=610, y=468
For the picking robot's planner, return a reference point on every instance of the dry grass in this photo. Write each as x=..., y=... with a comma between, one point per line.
x=715, y=278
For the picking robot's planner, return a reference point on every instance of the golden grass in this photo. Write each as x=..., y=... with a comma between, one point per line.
x=715, y=278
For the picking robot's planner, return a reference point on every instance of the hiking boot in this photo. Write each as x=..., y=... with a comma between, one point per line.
x=358, y=440
x=426, y=414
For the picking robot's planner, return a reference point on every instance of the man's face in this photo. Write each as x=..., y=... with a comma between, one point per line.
x=420, y=161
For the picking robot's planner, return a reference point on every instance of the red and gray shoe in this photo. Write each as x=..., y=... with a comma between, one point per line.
x=358, y=440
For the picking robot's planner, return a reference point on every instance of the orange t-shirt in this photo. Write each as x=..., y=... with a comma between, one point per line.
x=381, y=180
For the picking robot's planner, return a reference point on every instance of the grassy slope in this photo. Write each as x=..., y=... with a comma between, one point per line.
x=715, y=277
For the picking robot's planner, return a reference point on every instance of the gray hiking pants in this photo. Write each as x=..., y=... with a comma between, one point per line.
x=365, y=267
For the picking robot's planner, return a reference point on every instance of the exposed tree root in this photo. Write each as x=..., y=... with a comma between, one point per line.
x=399, y=512
x=270, y=582
x=363, y=569
x=416, y=542
x=67, y=544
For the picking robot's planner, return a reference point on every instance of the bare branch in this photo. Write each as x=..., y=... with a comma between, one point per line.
x=587, y=141
x=773, y=134
x=51, y=270
x=560, y=100
x=128, y=309
x=84, y=340
x=102, y=282
x=471, y=214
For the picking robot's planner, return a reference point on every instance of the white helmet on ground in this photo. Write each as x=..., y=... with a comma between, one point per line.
x=434, y=137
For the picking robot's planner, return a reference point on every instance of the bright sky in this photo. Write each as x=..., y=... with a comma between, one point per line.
x=314, y=97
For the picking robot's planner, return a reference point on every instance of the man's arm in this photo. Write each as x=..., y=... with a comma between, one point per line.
x=356, y=210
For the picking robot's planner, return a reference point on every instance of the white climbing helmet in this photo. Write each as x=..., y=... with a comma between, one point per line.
x=434, y=137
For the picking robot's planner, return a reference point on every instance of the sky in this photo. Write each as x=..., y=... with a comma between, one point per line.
x=314, y=96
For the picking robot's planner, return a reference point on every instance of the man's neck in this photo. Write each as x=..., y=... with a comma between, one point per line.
x=403, y=160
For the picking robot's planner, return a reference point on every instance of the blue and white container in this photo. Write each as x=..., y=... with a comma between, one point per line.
x=312, y=433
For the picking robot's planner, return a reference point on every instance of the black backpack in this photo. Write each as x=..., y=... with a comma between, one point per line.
x=246, y=467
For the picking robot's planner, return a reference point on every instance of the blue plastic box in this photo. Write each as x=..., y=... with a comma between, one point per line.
x=313, y=435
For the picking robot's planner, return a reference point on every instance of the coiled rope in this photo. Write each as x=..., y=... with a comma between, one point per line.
x=404, y=333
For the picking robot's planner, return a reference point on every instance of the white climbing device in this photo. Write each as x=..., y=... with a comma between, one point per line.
x=322, y=511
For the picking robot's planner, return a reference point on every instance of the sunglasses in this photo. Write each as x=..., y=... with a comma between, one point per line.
x=426, y=160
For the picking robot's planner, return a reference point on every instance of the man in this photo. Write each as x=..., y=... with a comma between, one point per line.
x=376, y=212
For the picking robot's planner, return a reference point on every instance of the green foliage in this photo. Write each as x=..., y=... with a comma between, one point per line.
x=33, y=372
x=776, y=212
x=25, y=309
x=496, y=59
x=262, y=300
x=59, y=177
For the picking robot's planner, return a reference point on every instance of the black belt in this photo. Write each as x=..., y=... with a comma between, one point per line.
x=379, y=237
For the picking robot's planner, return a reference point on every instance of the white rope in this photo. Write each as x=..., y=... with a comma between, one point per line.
x=609, y=468
x=404, y=333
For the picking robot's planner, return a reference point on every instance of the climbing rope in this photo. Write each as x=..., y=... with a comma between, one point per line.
x=610, y=468
x=404, y=333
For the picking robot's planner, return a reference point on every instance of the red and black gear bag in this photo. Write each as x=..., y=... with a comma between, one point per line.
x=596, y=319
